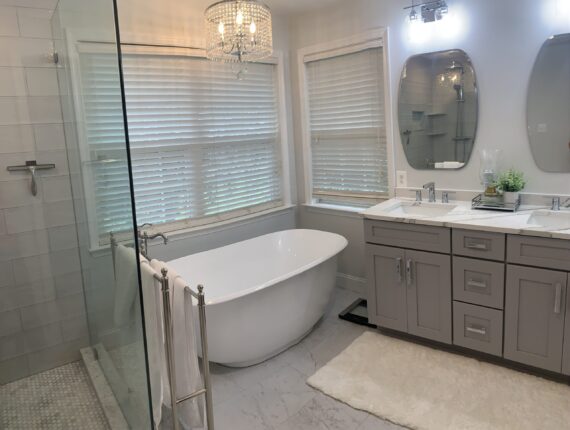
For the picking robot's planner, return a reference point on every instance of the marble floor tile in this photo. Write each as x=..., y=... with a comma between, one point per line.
x=274, y=395
x=325, y=413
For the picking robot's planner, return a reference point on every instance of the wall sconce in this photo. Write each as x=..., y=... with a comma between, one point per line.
x=430, y=11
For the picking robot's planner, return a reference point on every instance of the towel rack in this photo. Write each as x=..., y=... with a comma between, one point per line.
x=171, y=365
x=169, y=338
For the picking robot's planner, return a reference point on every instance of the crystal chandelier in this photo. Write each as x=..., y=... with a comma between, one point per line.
x=238, y=31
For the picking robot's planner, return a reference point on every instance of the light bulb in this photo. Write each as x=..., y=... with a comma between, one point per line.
x=221, y=28
x=239, y=18
x=413, y=15
x=252, y=27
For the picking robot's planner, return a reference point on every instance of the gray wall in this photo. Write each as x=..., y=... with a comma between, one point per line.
x=42, y=315
x=502, y=39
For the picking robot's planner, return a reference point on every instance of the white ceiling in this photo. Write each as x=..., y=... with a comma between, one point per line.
x=284, y=7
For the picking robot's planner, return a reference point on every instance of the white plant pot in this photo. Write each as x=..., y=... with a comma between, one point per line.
x=510, y=197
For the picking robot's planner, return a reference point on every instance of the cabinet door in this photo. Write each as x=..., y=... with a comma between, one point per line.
x=386, y=287
x=566, y=356
x=534, y=316
x=428, y=278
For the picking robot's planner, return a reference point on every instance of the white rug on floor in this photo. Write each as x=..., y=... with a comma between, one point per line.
x=427, y=389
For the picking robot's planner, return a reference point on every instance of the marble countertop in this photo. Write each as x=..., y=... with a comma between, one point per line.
x=463, y=217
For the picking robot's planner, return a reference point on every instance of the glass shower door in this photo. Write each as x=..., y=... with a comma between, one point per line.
x=89, y=76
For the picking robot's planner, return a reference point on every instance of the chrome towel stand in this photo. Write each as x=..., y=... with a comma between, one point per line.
x=169, y=347
x=171, y=365
x=31, y=166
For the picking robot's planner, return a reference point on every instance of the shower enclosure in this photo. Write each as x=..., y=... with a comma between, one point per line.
x=63, y=295
x=89, y=70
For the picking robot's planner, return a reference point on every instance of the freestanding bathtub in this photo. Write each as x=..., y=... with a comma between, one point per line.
x=263, y=294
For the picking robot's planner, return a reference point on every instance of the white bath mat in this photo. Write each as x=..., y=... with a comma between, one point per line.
x=426, y=389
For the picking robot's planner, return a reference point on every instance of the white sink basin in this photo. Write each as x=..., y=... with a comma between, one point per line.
x=420, y=209
x=555, y=220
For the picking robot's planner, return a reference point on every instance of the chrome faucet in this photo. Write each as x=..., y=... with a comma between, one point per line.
x=418, y=196
x=144, y=237
x=430, y=186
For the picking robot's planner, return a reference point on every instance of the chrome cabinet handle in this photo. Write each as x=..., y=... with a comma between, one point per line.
x=409, y=275
x=475, y=245
x=558, y=299
x=476, y=284
x=399, y=269
x=482, y=331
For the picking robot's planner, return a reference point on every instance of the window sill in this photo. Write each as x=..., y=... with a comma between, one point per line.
x=336, y=210
x=224, y=225
x=184, y=233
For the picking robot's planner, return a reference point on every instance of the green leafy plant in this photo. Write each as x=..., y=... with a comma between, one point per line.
x=511, y=181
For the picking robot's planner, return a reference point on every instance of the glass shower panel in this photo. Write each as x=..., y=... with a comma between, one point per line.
x=96, y=141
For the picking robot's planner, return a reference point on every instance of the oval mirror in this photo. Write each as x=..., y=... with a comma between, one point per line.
x=437, y=110
x=548, y=106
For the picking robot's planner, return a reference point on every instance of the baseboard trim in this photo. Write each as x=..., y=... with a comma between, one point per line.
x=352, y=283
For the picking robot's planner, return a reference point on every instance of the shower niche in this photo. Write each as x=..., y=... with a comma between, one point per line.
x=438, y=109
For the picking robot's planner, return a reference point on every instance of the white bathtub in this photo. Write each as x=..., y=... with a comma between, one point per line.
x=264, y=294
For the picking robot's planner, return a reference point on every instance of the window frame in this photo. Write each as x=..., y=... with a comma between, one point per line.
x=96, y=240
x=353, y=44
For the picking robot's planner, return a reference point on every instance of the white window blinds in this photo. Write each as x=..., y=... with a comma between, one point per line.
x=204, y=144
x=347, y=126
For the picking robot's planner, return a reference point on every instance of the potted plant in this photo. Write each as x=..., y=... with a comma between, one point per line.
x=511, y=183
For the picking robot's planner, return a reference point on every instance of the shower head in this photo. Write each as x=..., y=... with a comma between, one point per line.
x=455, y=67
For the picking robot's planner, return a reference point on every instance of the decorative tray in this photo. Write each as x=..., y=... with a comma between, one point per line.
x=494, y=204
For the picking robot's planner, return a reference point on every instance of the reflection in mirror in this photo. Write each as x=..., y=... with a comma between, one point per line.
x=437, y=110
x=548, y=107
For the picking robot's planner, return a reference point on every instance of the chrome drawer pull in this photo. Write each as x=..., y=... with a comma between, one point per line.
x=558, y=299
x=476, y=284
x=399, y=269
x=409, y=276
x=478, y=246
x=481, y=331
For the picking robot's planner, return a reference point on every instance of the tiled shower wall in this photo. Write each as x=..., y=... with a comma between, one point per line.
x=42, y=312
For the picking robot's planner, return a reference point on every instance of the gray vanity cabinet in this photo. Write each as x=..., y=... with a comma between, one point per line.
x=429, y=295
x=386, y=287
x=410, y=291
x=534, y=316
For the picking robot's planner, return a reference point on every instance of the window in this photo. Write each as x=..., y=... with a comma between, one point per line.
x=346, y=124
x=205, y=142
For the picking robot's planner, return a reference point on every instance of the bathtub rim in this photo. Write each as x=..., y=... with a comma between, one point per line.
x=274, y=281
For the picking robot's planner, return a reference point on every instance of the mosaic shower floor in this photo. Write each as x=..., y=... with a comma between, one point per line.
x=58, y=399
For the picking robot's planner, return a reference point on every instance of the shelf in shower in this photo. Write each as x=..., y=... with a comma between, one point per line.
x=436, y=114
x=461, y=138
x=436, y=133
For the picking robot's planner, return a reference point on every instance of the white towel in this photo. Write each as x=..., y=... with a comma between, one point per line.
x=152, y=300
x=449, y=165
x=126, y=284
x=188, y=376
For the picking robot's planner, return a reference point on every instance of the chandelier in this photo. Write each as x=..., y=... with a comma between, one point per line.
x=238, y=31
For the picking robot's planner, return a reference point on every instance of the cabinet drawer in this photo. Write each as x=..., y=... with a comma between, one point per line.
x=411, y=236
x=478, y=328
x=479, y=244
x=540, y=252
x=479, y=282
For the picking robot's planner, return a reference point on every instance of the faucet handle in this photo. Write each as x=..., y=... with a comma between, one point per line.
x=418, y=195
x=445, y=197
x=555, y=204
